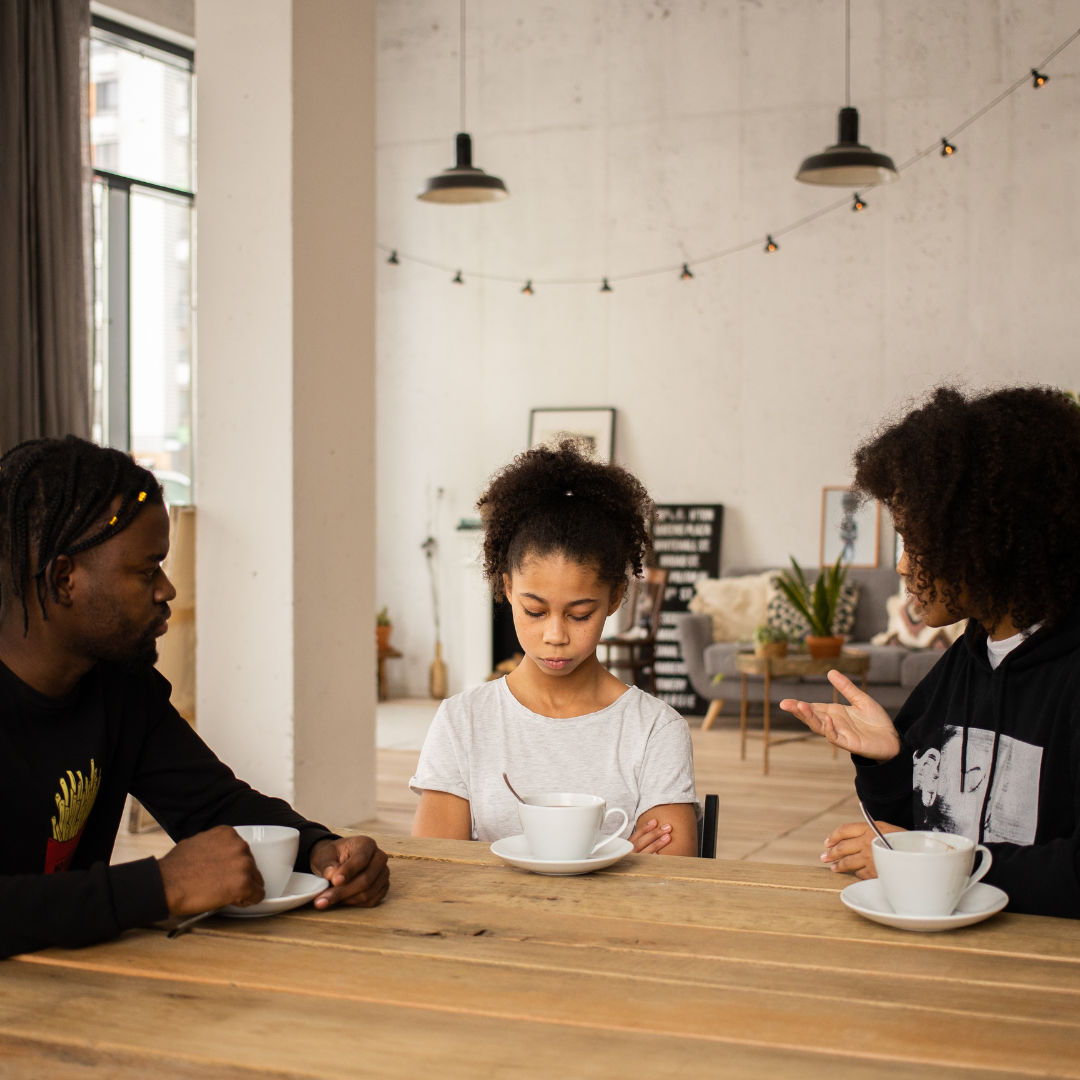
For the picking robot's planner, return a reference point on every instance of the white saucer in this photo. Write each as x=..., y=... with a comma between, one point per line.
x=516, y=851
x=301, y=889
x=868, y=899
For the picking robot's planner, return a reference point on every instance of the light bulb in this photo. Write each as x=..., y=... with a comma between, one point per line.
x=858, y=203
x=771, y=245
x=947, y=148
x=685, y=275
x=1038, y=78
x=528, y=290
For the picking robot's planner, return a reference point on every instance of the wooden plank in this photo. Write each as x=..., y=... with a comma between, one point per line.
x=62, y=1058
x=753, y=905
x=237, y=1026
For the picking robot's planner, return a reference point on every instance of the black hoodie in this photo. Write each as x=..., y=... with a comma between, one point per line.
x=968, y=730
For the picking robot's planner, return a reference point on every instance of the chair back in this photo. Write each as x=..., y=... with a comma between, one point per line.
x=707, y=828
x=646, y=599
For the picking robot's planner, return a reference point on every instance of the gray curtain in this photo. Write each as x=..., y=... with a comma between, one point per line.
x=44, y=384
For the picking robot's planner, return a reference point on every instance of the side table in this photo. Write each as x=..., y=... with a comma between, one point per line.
x=384, y=654
x=850, y=662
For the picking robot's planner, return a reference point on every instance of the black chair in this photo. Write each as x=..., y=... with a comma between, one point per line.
x=707, y=828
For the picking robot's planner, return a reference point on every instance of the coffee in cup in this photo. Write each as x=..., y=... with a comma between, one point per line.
x=565, y=827
x=926, y=873
x=274, y=849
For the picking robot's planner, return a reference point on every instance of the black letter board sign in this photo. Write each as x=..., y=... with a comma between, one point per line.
x=686, y=543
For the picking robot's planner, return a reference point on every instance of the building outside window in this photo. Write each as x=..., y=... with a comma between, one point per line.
x=142, y=151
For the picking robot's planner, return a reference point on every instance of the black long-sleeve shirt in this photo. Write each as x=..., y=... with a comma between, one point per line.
x=1015, y=731
x=68, y=765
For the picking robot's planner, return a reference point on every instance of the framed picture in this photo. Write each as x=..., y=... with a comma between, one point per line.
x=850, y=530
x=595, y=426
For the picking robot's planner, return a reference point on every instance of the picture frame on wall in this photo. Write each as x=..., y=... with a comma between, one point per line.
x=595, y=425
x=850, y=528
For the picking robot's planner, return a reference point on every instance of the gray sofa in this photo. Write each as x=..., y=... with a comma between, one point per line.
x=894, y=671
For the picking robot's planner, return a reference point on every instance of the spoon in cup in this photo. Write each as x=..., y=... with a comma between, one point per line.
x=869, y=821
x=511, y=787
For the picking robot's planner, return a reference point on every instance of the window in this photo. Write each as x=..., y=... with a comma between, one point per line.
x=142, y=151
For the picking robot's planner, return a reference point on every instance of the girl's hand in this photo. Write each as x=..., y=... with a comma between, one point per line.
x=651, y=839
x=848, y=850
x=863, y=727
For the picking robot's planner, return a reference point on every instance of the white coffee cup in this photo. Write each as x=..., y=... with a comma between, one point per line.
x=274, y=849
x=564, y=827
x=926, y=873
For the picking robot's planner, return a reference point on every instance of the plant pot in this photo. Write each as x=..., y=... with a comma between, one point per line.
x=382, y=635
x=772, y=650
x=822, y=648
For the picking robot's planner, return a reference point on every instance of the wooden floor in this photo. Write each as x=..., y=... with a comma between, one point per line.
x=779, y=818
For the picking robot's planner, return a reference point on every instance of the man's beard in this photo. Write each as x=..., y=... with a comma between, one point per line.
x=129, y=646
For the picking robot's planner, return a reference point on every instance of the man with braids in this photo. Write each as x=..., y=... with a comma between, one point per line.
x=85, y=719
x=985, y=492
x=563, y=533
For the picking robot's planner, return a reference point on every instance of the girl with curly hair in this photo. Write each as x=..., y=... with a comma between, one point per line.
x=985, y=492
x=563, y=535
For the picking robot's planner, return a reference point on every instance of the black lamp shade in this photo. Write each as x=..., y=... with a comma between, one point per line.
x=464, y=183
x=848, y=163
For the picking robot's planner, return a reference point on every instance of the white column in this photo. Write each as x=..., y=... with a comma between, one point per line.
x=285, y=397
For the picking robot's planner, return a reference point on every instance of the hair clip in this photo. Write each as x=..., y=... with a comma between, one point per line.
x=113, y=522
x=142, y=496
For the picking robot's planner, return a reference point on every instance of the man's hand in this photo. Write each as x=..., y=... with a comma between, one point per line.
x=848, y=851
x=356, y=869
x=208, y=871
x=863, y=727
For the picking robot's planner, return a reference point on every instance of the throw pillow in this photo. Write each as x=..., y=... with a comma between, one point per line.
x=783, y=615
x=906, y=626
x=737, y=604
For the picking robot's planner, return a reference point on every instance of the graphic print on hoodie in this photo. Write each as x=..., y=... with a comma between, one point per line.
x=951, y=785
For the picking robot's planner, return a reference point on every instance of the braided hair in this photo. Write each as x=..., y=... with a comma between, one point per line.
x=560, y=500
x=54, y=495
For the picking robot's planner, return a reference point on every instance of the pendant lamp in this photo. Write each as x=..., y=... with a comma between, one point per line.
x=848, y=163
x=464, y=182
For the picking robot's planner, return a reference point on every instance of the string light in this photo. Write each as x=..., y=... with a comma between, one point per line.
x=944, y=145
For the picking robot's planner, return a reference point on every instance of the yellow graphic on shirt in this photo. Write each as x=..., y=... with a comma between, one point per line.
x=75, y=804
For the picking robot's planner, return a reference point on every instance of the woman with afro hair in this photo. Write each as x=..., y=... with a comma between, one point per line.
x=563, y=535
x=985, y=492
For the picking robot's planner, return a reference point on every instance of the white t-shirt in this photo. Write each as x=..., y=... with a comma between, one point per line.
x=998, y=650
x=636, y=754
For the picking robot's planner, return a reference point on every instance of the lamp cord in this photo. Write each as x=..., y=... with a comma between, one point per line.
x=847, y=53
x=462, y=51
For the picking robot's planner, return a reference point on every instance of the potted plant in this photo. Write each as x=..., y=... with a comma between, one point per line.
x=770, y=642
x=383, y=629
x=816, y=604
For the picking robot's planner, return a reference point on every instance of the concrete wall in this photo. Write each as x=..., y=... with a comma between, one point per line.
x=284, y=440
x=634, y=135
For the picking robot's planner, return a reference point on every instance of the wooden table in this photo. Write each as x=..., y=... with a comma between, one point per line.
x=850, y=662
x=659, y=967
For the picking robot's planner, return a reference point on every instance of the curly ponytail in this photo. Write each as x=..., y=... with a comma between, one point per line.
x=559, y=500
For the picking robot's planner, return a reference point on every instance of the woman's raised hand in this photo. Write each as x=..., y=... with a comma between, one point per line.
x=863, y=727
